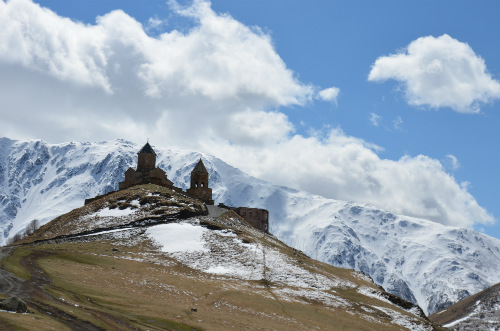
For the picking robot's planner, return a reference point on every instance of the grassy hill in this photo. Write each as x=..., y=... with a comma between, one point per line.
x=149, y=258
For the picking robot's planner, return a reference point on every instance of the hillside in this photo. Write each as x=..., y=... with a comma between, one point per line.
x=421, y=261
x=134, y=207
x=478, y=312
x=183, y=272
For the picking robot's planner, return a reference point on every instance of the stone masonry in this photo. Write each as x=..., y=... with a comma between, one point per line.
x=146, y=172
x=199, y=184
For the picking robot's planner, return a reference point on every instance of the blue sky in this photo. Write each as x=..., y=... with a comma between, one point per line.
x=321, y=44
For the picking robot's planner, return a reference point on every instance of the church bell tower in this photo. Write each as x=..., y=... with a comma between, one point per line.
x=146, y=158
x=199, y=184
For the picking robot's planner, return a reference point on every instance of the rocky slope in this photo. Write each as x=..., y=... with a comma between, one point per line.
x=134, y=260
x=479, y=312
x=421, y=261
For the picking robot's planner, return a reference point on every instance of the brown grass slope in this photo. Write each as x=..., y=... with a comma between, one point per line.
x=124, y=280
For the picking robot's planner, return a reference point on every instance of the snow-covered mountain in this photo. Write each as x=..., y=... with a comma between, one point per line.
x=419, y=260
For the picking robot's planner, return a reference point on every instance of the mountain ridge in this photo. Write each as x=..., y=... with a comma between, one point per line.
x=40, y=180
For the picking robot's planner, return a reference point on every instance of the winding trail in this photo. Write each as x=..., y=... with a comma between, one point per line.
x=10, y=284
x=32, y=291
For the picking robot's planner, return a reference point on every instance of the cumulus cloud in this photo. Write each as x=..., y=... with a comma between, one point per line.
x=38, y=39
x=113, y=72
x=217, y=88
x=329, y=94
x=439, y=72
x=219, y=58
x=339, y=166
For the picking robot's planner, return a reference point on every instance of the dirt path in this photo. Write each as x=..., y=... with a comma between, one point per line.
x=9, y=284
x=34, y=287
x=32, y=290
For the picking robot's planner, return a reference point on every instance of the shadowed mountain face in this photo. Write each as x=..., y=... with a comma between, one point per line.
x=149, y=258
x=480, y=312
x=419, y=260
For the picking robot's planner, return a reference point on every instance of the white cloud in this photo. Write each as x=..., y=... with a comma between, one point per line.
x=329, y=94
x=439, y=72
x=154, y=23
x=38, y=39
x=219, y=59
x=258, y=128
x=215, y=88
x=397, y=123
x=451, y=162
x=87, y=81
x=375, y=119
x=347, y=168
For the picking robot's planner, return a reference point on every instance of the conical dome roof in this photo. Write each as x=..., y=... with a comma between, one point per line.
x=147, y=149
x=200, y=168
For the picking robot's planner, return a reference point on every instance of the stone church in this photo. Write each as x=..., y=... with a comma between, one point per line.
x=148, y=173
x=199, y=184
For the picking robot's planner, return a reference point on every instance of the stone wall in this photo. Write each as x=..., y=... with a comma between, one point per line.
x=145, y=176
x=258, y=218
x=202, y=193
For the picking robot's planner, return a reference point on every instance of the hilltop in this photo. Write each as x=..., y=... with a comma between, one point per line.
x=133, y=207
x=147, y=258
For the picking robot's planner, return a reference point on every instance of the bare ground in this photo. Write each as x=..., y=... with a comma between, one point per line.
x=33, y=293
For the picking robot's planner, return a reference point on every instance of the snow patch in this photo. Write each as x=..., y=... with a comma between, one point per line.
x=220, y=270
x=106, y=212
x=178, y=237
x=370, y=292
x=449, y=325
x=224, y=253
x=403, y=320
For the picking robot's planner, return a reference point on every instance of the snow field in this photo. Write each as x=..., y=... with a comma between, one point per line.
x=223, y=253
x=178, y=237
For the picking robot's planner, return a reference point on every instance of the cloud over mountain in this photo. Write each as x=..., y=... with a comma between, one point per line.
x=439, y=72
x=216, y=87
